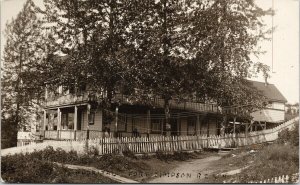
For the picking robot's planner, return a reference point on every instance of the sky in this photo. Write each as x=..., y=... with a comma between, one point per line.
x=285, y=70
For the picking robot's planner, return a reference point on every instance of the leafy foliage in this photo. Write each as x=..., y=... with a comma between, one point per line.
x=170, y=49
x=22, y=75
x=28, y=169
x=289, y=136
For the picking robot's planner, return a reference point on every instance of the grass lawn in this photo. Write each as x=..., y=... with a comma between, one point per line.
x=37, y=167
x=16, y=169
x=261, y=162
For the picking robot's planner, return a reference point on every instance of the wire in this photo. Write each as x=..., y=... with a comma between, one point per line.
x=272, y=32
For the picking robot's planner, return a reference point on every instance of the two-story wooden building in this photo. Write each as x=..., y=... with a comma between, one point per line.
x=77, y=113
x=70, y=113
x=274, y=112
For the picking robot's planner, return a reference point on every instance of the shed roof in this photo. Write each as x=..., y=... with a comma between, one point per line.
x=270, y=91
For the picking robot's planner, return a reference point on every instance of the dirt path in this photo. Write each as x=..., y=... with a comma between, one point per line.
x=112, y=176
x=192, y=171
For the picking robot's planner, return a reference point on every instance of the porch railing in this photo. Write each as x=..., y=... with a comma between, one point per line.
x=84, y=134
x=159, y=102
x=138, y=145
x=93, y=134
x=66, y=99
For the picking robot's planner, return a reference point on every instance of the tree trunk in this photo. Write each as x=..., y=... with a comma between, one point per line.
x=223, y=123
x=167, y=118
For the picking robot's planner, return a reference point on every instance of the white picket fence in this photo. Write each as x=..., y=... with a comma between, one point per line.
x=281, y=179
x=159, y=143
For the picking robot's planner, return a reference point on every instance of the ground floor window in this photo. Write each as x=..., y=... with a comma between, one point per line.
x=191, y=126
x=156, y=125
x=64, y=120
x=67, y=121
x=122, y=123
x=91, y=118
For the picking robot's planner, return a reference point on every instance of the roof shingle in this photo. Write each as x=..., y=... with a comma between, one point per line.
x=269, y=90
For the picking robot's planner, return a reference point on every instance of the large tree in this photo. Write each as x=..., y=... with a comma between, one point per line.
x=198, y=48
x=161, y=48
x=25, y=49
x=92, y=36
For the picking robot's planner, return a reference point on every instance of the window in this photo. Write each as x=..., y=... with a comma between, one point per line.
x=81, y=88
x=91, y=118
x=37, y=128
x=191, y=126
x=156, y=125
x=70, y=120
x=72, y=89
x=64, y=120
x=122, y=123
x=65, y=90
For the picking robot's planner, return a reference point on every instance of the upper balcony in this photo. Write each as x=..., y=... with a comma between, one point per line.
x=66, y=99
x=173, y=104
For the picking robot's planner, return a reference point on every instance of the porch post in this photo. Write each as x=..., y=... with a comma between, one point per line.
x=75, y=117
x=198, y=125
x=223, y=123
x=148, y=121
x=234, y=119
x=246, y=132
x=45, y=119
x=58, y=119
x=116, y=125
x=88, y=111
x=208, y=120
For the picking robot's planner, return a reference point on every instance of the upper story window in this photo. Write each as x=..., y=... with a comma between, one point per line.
x=81, y=88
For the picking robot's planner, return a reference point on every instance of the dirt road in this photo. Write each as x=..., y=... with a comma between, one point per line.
x=192, y=171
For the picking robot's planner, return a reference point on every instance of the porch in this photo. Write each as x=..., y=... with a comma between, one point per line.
x=73, y=123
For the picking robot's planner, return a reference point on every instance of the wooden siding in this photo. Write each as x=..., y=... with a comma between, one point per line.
x=276, y=105
x=268, y=115
x=97, y=122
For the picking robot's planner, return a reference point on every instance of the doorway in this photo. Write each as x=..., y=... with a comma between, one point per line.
x=174, y=127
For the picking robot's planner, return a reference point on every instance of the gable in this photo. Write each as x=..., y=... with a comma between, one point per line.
x=270, y=91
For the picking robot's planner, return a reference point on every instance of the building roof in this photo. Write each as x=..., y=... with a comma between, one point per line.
x=270, y=91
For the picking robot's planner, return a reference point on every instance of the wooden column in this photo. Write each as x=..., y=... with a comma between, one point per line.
x=75, y=117
x=45, y=119
x=207, y=127
x=88, y=111
x=59, y=119
x=116, y=124
x=148, y=121
x=246, y=132
x=198, y=126
x=234, y=119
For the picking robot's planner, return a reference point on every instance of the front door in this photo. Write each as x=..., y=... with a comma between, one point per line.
x=79, y=118
x=174, y=127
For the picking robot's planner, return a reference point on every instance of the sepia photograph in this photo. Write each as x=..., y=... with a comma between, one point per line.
x=149, y=91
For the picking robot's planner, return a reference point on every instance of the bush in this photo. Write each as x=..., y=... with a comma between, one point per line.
x=289, y=136
x=25, y=169
x=272, y=161
x=129, y=153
